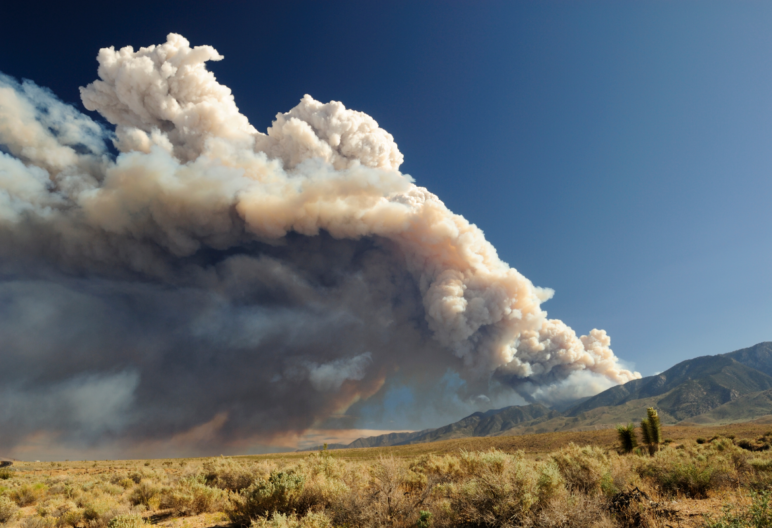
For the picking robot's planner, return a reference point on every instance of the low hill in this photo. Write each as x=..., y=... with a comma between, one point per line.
x=477, y=424
x=386, y=439
x=487, y=423
x=745, y=408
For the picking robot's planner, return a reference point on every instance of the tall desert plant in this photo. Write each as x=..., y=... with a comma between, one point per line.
x=627, y=438
x=651, y=430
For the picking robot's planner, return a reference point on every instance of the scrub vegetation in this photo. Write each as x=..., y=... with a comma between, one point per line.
x=576, y=486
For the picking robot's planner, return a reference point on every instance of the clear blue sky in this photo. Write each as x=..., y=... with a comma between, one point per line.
x=618, y=152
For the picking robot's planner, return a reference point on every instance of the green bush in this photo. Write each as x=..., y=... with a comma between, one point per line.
x=264, y=497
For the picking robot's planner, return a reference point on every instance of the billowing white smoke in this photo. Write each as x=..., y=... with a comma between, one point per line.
x=195, y=175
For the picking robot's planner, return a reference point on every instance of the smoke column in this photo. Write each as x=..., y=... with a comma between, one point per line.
x=248, y=285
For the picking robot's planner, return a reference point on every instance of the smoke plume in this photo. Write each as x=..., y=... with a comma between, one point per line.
x=253, y=283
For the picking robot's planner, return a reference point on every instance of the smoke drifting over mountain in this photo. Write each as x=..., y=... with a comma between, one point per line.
x=252, y=284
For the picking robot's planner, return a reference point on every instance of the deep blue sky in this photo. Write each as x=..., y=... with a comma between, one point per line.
x=618, y=152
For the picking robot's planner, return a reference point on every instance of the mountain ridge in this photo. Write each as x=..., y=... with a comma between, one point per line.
x=703, y=390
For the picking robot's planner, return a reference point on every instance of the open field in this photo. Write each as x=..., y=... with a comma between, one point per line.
x=574, y=479
x=536, y=444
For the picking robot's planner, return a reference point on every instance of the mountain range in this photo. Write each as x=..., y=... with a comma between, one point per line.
x=726, y=388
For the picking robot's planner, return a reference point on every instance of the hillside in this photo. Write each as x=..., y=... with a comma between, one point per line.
x=721, y=389
x=695, y=386
x=487, y=423
x=745, y=408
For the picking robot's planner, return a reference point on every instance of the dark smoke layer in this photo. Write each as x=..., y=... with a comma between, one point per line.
x=213, y=274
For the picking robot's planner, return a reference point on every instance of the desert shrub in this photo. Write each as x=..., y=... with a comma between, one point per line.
x=226, y=473
x=388, y=481
x=575, y=511
x=126, y=483
x=6, y=473
x=28, y=494
x=753, y=445
x=501, y=493
x=91, y=515
x=34, y=521
x=424, y=519
x=136, y=477
x=352, y=506
x=133, y=520
x=278, y=520
x=55, y=507
x=112, y=489
x=442, y=468
x=99, y=510
x=701, y=440
x=71, y=518
x=689, y=475
x=191, y=496
x=759, y=515
x=477, y=462
x=146, y=494
x=582, y=468
x=760, y=464
x=279, y=493
x=550, y=482
x=623, y=472
x=8, y=509
x=322, y=491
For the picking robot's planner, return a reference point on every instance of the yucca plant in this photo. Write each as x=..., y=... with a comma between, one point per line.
x=627, y=437
x=651, y=430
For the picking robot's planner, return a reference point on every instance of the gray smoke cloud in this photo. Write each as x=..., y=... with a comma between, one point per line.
x=252, y=284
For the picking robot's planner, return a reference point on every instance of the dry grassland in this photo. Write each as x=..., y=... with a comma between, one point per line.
x=568, y=479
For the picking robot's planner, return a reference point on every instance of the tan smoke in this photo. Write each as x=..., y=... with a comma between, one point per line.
x=194, y=173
